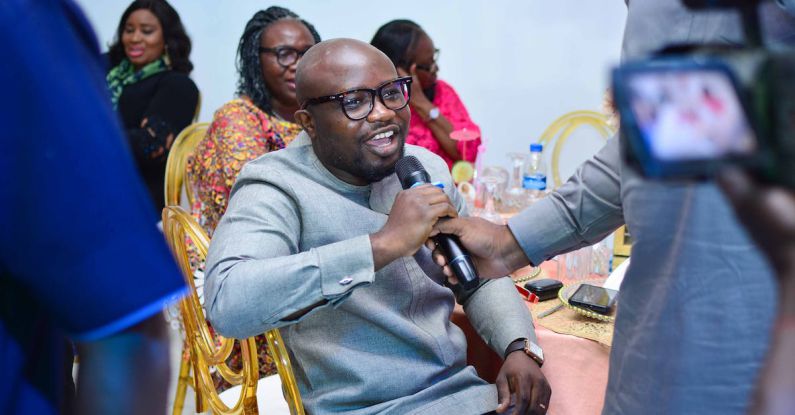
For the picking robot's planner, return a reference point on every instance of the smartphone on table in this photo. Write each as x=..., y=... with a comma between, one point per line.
x=597, y=299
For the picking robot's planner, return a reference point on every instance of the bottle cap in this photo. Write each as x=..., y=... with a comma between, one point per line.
x=536, y=148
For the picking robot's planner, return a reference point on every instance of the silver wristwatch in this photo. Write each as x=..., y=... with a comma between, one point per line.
x=433, y=113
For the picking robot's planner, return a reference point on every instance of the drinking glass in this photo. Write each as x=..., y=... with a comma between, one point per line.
x=499, y=176
x=575, y=265
x=489, y=212
x=515, y=198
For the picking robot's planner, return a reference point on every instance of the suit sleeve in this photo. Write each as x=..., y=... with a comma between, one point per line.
x=580, y=213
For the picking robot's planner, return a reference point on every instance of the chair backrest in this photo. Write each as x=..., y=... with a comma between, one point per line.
x=198, y=107
x=182, y=147
x=208, y=350
x=622, y=246
x=560, y=130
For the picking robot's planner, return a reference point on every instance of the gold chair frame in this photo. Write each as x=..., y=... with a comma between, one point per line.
x=622, y=246
x=179, y=227
x=176, y=163
x=564, y=126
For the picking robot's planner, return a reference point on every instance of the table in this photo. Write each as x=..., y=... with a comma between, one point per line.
x=576, y=368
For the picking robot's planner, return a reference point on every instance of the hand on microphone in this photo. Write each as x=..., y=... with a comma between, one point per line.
x=410, y=223
x=492, y=247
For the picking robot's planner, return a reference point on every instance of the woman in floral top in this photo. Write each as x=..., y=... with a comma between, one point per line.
x=259, y=121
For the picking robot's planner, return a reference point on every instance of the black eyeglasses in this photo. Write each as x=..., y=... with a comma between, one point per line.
x=357, y=104
x=433, y=65
x=285, y=55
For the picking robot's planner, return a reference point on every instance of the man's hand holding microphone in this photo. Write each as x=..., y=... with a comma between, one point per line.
x=410, y=223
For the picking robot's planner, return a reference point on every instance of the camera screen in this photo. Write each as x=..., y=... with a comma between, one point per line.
x=689, y=114
x=591, y=294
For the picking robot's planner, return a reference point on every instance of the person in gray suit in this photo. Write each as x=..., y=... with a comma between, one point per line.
x=321, y=241
x=698, y=300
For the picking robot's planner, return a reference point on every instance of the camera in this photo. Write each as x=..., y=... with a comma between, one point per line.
x=690, y=110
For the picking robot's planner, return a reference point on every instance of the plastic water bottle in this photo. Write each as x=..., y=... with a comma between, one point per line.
x=535, y=174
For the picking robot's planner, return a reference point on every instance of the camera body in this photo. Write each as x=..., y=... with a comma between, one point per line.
x=690, y=110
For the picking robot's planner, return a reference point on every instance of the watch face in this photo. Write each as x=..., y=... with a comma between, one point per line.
x=536, y=350
x=433, y=113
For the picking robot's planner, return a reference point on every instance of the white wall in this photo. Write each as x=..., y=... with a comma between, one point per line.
x=516, y=64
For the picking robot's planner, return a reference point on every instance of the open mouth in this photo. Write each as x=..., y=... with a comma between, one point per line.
x=383, y=144
x=382, y=139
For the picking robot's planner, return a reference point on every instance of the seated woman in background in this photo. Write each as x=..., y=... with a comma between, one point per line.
x=150, y=87
x=436, y=110
x=261, y=118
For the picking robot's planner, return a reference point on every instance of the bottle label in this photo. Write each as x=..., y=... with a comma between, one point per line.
x=535, y=182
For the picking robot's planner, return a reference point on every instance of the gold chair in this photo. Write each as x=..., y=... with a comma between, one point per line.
x=560, y=130
x=182, y=147
x=622, y=246
x=198, y=108
x=179, y=227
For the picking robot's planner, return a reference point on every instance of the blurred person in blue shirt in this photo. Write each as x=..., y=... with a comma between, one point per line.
x=80, y=257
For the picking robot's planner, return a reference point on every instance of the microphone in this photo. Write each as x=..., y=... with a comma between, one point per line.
x=411, y=173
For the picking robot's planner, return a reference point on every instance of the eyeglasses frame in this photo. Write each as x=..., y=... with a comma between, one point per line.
x=429, y=68
x=275, y=51
x=407, y=80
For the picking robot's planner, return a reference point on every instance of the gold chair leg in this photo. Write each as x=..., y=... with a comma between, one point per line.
x=201, y=402
x=182, y=385
x=250, y=406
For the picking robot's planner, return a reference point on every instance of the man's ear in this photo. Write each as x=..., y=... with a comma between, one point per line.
x=304, y=118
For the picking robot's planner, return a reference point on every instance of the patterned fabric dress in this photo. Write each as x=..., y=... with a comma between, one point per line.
x=239, y=133
x=451, y=107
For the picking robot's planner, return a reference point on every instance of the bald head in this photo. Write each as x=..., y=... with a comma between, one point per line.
x=336, y=65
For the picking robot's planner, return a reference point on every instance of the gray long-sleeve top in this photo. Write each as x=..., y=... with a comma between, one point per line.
x=697, y=302
x=294, y=236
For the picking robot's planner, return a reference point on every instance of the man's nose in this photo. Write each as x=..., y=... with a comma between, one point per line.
x=380, y=112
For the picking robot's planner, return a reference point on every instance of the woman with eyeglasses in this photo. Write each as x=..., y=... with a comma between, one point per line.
x=150, y=87
x=436, y=109
x=260, y=120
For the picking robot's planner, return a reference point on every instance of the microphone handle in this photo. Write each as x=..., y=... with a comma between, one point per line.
x=458, y=260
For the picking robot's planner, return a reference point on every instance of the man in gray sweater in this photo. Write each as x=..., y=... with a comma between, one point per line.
x=320, y=240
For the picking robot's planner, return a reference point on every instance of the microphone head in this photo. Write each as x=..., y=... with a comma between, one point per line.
x=410, y=172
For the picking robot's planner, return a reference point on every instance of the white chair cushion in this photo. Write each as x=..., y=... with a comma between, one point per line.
x=270, y=399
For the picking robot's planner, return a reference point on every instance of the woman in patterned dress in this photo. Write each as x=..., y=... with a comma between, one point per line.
x=258, y=121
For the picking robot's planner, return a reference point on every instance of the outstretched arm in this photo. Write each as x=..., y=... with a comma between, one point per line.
x=583, y=211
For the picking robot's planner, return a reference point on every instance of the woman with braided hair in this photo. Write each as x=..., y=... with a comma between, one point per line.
x=260, y=120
